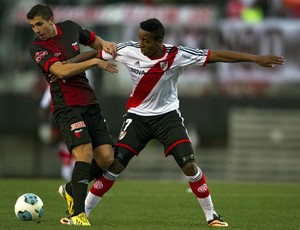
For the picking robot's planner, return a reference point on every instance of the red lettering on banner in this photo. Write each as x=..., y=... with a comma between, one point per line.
x=77, y=125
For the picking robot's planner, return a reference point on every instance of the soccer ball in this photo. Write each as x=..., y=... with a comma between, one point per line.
x=29, y=207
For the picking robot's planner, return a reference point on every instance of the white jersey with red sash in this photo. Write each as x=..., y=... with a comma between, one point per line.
x=155, y=80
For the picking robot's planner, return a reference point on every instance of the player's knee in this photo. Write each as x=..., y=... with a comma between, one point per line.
x=182, y=161
x=83, y=153
x=190, y=169
x=123, y=158
x=183, y=154
x=117, y=167
x=104, y=156
x=106, y=163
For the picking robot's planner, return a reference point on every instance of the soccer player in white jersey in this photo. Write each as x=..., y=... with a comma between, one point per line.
x=153, y=108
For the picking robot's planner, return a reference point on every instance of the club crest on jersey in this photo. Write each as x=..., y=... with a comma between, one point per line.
x=39, y=56
x=78, y=133
x=164, y=65
x=122, y=135
x=75, y=46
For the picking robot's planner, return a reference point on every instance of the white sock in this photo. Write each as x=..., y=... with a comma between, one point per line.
x=90, y=202
x=195, y=177
x=207, y=206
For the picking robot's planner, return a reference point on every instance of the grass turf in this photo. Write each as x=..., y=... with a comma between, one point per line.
x=161, y=205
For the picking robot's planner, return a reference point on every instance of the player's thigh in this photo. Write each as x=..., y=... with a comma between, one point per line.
x=97, y=126
x=134, y=134
x=170, y=130
x=72, y=126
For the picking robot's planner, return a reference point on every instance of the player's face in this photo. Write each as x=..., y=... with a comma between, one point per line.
x=42, y=28
x=149, y=46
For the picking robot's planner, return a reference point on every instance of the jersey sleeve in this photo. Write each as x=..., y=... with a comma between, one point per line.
x=42, y=57
x=121, y=53
x=192, y=56
x=86, y=37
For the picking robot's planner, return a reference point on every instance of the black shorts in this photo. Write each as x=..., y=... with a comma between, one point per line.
x=167, y=128
x=81, y=125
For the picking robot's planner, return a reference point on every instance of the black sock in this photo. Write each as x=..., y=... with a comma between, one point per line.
x=80, y=185
x=95, y=171
x=69, y=188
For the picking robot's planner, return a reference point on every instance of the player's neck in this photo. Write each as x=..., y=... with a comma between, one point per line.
x=159, y=52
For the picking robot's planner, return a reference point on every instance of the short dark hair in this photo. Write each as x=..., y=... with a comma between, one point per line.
x=40, y=10
x=155, y=27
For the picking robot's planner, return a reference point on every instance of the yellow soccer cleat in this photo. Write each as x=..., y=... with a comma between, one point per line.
x=217, y=222
x=64, y=194
x=80, y=220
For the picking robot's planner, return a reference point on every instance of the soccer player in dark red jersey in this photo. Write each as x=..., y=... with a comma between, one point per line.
x=74, y=106
x=153, y=107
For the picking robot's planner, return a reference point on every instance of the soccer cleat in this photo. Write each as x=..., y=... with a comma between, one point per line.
x=80, y=220
x=217, y=222
x=64, y=194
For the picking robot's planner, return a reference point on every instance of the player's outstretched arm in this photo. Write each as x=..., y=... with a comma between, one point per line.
x=66, y=70
x=109, y=47
x=233, y=56
x=84, y=56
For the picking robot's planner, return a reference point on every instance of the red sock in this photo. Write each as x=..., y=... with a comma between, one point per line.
x=101, y=186
x=200, y=188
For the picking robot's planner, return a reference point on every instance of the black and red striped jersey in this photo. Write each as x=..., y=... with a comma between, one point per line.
x=76, y=91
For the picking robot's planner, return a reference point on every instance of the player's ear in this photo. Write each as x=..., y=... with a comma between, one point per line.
x=51, y=20
x=159, y=40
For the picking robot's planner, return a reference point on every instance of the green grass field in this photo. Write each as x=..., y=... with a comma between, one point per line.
x=161, y=205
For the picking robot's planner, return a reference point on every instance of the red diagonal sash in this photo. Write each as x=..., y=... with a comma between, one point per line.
x=149, y=80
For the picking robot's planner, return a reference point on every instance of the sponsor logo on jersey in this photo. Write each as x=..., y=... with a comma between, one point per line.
x=163, y=65
x=75, y=46
x=188, y=57
x=202, y=188
x=137, y=71
x=169, y=72
x=137, y=63
x=40, y=55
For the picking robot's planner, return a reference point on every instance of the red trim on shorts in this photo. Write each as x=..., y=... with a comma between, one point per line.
x=176, y=143
x=127, y=147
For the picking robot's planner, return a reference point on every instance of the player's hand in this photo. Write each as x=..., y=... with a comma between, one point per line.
x=270, y=60
x=110, y=47
x=55, y=78
x=110, y=67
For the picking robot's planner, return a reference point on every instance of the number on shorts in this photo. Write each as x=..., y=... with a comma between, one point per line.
x=127, y=123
